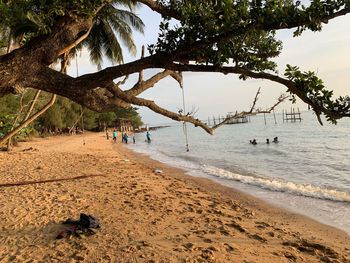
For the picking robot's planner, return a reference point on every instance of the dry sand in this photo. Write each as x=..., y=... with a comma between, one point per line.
x=145, y=216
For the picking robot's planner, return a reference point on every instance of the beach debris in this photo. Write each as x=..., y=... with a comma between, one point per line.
x=189, y=246
x=257, y=237
x=83, y=226
x=290, y=256
x=233, y=224
x=229, y=248
x=30, y=149
x=158, y=171
x=126, y=160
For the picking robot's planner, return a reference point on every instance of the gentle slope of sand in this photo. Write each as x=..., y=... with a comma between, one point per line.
x=145, y=216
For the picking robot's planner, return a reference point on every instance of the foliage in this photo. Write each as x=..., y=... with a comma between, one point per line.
x=6, y=122
x=308, y=83
x=42, y=14
x=62, y=115
x=131, y=114
x=245, y=41
x=206, y=36
x=111, y=24
x=31, y=18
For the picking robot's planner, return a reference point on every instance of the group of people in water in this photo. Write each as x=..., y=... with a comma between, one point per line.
x=125, y=136
x=254, y=142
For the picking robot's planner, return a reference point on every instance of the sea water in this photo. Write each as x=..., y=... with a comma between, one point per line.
x=307, y=171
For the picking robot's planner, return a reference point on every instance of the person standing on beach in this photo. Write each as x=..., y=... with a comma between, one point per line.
x=133, y=138
x=122, y=136
x=126, y=137
x=114, y=135
x=148, y=137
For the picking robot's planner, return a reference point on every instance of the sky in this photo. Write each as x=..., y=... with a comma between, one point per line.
x=214, y=94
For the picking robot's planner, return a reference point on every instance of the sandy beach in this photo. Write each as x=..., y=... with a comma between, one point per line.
x=149, y=212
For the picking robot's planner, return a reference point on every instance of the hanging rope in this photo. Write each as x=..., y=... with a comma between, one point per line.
x=76, y=63
x=184, y=112
x=81, y=107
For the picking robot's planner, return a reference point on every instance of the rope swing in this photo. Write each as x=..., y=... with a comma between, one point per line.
x=81, y=107
x=184, y=112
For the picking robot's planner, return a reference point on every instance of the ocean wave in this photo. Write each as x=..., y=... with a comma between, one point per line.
x=279, y=185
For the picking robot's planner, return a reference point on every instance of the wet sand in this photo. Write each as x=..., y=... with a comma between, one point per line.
x=149, y=212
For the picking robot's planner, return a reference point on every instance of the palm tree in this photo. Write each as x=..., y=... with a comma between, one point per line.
x=111, y=26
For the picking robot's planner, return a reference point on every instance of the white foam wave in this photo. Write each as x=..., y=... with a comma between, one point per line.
x=280, y=186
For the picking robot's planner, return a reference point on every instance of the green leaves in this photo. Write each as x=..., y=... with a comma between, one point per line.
x=207, y=20
x=238, y=25
x=313, y=88
x=44, y=13
x=112, y=25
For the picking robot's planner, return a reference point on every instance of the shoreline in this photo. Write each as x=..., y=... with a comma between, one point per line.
x=231, y=192
x=278, y=199
x=145, y=216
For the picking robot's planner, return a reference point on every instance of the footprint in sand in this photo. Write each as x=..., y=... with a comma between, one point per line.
x=229, y=248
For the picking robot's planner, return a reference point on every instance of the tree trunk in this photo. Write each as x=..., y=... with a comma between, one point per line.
x=9, y=43
x=16, y=120
x=75, y=123
x=9, y=144
x=32, y=105
x=28, y=121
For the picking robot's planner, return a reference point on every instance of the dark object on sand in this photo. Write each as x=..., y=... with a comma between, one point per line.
x=83, y=226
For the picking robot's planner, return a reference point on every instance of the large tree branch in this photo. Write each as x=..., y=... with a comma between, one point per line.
x=140, y=87
x=242, y=114
x=81, y=37
x=226, y=70
x=108, y=74
x=291, y=86
x=75, y=43
x=160, y=60
x=44, y=50
x=255, y=100
x=27, y=66
x=154, y=107
x=160, y=9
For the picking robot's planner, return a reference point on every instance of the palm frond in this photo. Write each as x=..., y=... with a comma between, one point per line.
x=111, y=47
x=124, y=31
x=112, y=26
x=131, y=4
x=135, y=22
x=94, y=43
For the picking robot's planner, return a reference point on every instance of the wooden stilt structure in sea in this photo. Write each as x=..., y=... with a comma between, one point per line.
x=291, y=116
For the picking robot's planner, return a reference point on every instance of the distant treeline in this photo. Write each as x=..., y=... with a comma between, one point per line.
x=62, y=117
